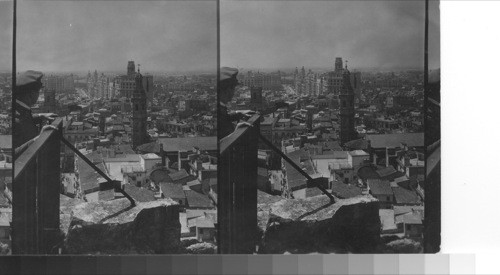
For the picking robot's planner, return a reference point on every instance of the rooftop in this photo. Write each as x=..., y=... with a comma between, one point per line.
x=6, y=141
x=405, y=196
x=178, y=175
x=197, y=200
x=295, y=179
x=345, y=191
x=172, y=190
x=395, y=140
x=139, y=194
x=414, y=217
x=358, y=153
x=380, y=187
x=188, y=143
x=151, y=156
x=386, y=171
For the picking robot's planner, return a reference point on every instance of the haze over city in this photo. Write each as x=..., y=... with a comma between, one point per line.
x=162, y=36
x=370, y=34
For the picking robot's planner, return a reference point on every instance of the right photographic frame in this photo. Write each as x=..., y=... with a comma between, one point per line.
x=329, y=127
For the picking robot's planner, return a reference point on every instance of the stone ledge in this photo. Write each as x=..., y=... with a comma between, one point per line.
x=114, y=227
x=316, y=225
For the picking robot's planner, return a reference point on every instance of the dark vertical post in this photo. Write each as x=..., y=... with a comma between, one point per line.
x=49, y=161
x=248, y=191
x=237, y=200
x=23, y=209
x=224, y=203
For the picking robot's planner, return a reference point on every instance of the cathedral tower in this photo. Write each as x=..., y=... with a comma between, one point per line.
x=139, y=113
x=346, y=109
x=131, y=68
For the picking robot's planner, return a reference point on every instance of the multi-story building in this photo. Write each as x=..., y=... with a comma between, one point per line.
x=269, y=81
x=59, y=83
x=125, y=84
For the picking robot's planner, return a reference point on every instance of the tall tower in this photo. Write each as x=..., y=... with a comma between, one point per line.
x=131, y=68
x=139, y=113
x=346, y=109
x=338, y=64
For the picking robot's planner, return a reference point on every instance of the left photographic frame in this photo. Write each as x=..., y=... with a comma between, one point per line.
x=6, y=75
x=115, y=129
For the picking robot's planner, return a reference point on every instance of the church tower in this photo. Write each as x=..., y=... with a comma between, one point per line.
x=130, y=68
x=346, y=109
x=139, y=113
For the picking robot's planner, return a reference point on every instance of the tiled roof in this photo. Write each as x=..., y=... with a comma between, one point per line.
x=151, y=147
x=395, y=140
x=357, y=144
x=139, y=194
x=387, y=171
x=88, y=177
x=172, y=190
x=188, y=143
x=181, y=174
x=295, y=179
x=380, y=187
x=345, y=191
x=405, y=196
x=197, y=200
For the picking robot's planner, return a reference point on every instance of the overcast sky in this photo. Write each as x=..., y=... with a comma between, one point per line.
x=86, y=35
x=6, y=36
x=288, y=34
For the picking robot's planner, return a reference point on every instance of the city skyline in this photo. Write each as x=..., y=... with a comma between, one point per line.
x=370, y=34
x=164, y=36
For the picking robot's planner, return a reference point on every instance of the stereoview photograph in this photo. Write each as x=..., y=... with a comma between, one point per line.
x=321, y=124
x=115, y=128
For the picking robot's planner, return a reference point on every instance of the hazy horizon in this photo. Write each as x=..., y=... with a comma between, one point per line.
x=370, y=34
x=168, y=36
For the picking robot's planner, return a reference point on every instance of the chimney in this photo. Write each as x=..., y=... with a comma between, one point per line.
x=162, y=154
x=303, y=140
x=386, y=157
x=96, y=143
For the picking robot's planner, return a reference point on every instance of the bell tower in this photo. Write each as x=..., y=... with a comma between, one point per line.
x=130, y=68
x=139, y=113
x=346, y=108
